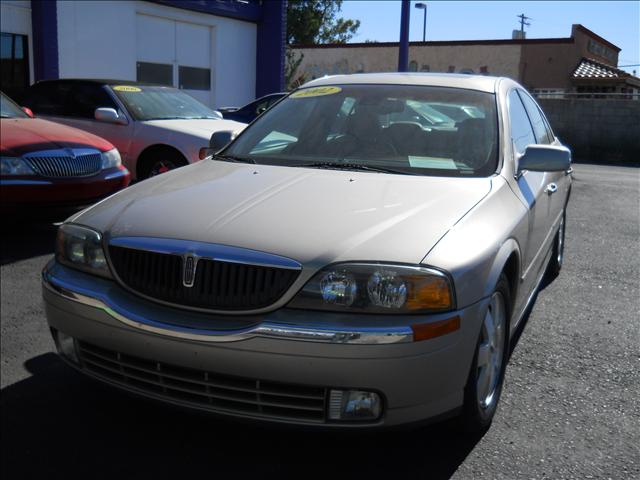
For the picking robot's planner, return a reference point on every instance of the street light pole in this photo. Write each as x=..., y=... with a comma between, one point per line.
x=423, y=6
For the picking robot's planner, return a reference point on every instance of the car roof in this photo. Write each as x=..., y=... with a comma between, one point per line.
x=104, y=81
x=472, y=82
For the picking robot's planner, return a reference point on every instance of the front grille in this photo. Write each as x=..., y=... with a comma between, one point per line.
x=217, y=284
x=201, y=389
x=60, y=164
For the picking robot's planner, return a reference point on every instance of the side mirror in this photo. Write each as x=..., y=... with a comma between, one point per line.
x=109, y=115
x=545, y=158
x=261, y=110
x=28, y=111
x=220, y=139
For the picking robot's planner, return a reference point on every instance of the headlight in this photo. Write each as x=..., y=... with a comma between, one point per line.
x=111, y=159
x=14, y=166
x=377, y=288
x=81, y=248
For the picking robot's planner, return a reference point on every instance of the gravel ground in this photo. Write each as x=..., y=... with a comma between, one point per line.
x=570, y=407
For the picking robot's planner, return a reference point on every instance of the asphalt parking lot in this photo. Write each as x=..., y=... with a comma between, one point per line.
x=570, y=406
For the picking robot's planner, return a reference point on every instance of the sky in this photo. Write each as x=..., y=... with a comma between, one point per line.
x=617, y=22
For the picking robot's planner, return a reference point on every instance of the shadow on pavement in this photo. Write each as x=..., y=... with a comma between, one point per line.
x=57, y=423
x=27, y=237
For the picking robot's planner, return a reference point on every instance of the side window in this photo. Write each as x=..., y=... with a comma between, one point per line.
x=84, y=98
x=521, y=131
x=537, y=121
x=48, y=98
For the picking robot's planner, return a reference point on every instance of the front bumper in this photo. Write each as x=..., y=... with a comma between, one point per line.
x=283, y=351
x=40, y=192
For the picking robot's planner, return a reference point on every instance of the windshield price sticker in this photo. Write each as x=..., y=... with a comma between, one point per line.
x=315, y=92
x=126, y=88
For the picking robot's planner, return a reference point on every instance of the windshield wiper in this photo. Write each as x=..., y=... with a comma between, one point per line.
x=232, y=158
x=352, y=166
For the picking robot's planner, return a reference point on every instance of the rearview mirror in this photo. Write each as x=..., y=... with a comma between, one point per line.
x=220, y=139
x=545, y=158
x=109, y=115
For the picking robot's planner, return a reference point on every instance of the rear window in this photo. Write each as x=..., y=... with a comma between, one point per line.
x=399, y=127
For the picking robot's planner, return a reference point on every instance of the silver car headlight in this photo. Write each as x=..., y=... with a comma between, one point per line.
x=111, y=159
x=377, y=288
x=15, y=166
x=81, y=248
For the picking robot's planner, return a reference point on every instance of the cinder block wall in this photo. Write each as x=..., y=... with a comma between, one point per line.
x=597, y=130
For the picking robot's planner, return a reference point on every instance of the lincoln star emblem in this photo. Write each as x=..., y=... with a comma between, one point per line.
x=189, y=265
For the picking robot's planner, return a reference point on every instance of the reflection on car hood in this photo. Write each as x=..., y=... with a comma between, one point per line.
x=199, y=127
x=313, y=216
x=24, y=135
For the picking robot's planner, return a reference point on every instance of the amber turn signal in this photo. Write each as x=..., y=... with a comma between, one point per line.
x=425, y=331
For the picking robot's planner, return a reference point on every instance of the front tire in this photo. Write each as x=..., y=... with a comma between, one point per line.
x=159, y=161
x=484, y=384
x=557, y=257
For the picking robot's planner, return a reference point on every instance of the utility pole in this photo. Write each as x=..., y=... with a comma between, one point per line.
x=403, y=54
x=523, y=21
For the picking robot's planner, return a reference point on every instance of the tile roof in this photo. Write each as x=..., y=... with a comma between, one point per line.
x=589, y=68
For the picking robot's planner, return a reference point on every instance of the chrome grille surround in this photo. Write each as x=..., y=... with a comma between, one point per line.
x=205, y=390
x=65, y=162
x=226, y=278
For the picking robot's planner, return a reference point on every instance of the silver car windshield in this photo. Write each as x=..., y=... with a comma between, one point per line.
x=161, y=103
x=394, y=128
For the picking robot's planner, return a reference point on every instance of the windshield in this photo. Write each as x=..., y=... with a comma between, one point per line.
x=161, y=103
x=8, y=109
x=391, y=128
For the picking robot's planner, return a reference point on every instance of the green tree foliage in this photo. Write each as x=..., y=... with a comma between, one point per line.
x=317, y=21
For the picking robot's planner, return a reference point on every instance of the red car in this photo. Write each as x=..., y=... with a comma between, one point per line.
x=46, y=164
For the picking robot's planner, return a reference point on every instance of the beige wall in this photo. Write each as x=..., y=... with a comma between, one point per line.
x=501, y=60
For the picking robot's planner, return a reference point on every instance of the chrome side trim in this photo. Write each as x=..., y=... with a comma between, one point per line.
x=212, y=251
x=361, y=336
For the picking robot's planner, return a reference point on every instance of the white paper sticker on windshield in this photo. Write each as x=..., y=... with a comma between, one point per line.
x=126, y=88
x=315, y=92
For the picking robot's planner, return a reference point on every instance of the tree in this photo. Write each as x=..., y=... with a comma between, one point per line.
x=315, y=21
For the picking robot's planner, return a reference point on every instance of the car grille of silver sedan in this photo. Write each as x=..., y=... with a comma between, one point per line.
x=65, y=162
x=205, y=390
x=217, y=285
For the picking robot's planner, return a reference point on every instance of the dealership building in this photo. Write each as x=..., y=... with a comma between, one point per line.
x=223, y=52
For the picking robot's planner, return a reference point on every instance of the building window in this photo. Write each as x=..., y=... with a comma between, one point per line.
x=159, y=73
x=193, y=78
x=14, y=68
x=413, y=66
x=425, y=68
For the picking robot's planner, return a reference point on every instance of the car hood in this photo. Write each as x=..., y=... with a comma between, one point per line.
x=23, y=135
x=201, y=127
x=313, y=216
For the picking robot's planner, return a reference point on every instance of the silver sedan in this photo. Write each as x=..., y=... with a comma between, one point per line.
x=354, y=258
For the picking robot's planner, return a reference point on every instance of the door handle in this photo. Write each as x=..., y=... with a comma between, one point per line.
x=551, y=188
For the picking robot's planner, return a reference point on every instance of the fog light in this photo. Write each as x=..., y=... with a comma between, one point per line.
x=354, y=405
x=66, y=346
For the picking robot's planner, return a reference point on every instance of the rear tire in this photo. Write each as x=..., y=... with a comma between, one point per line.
x=158, y=161
x=484, y=384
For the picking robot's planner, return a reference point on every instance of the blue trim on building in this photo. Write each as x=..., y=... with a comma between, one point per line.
x=248, y=10
x=270, y=49
x=44, y=28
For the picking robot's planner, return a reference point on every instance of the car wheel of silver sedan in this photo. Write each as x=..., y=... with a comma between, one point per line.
x=557, y=257
x=484, y=384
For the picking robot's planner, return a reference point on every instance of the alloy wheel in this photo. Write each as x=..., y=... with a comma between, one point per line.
x=491, y=351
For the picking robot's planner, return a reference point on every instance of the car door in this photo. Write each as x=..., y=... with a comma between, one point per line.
x=83, y=100
x=558, y=185
x=532, y=190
